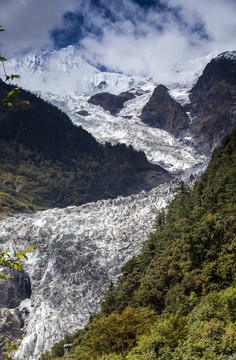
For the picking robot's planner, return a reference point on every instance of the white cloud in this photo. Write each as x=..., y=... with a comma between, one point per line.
x=28, y=23
x=152, y=52
x=150, y=55
x=219, y=18
x=142, y=50
x=133, y=43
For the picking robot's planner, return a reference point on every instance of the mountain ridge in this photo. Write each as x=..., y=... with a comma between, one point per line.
x=65, y=72
x=78, y=78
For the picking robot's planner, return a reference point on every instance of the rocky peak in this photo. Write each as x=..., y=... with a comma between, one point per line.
x=111, y=102
x=165, y=113
x=221, y=68
x=212, y=102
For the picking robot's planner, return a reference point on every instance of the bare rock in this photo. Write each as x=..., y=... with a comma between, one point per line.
x=163, y=112
x=83, y=113
x=10, y=328
x=212, y=102
x=111, y=102
x=14, y=289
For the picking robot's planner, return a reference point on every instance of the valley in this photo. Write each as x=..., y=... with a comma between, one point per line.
x=81, y=248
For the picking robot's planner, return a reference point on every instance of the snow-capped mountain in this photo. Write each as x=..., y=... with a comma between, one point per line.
x=64, y=72
x=81, y=248
x=67, y=81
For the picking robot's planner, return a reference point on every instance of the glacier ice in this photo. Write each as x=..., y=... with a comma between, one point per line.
x=174, y=154
x=79, y=250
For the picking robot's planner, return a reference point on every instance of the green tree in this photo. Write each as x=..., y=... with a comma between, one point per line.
x=118, y=333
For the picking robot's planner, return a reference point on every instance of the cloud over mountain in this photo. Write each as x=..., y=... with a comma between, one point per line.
x=131, y=36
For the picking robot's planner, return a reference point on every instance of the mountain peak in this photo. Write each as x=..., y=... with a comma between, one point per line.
x=65, y=72
x=213, y=101
x=229, y=55
x=163, y=112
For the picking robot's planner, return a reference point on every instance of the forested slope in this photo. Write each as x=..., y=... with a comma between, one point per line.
x=47, y=161
x=177, y=299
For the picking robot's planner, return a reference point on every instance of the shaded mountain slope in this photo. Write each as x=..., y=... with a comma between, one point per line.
x=46, y=161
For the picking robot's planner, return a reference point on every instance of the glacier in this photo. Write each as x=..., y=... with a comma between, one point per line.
x=80, y=249
x=174, y=154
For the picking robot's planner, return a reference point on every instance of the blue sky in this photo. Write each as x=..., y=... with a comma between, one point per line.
x=132, y=36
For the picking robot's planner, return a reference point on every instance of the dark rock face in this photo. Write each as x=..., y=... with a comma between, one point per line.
x=141, y=92
x=212, y=103
x=111, y=102
x=10, y=328
x=102, y=85
x=15, y=289
x=163, y=112
x=12, y=292
x=83, y=113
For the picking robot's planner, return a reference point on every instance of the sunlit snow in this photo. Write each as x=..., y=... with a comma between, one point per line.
x=175, y=155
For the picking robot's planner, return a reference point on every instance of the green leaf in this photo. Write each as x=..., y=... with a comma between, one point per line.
x=15, y=77
x=25, y=256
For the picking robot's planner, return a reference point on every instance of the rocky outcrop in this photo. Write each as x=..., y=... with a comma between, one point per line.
x=83, y=113
x=12, y=292
x=14, y=289
x=163, y=112
x=10, y=329
x=110, y=102
x=213, y=102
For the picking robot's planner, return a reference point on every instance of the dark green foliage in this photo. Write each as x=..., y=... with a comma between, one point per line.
x=58, y=349
x=46, y=161
x=193, y=249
